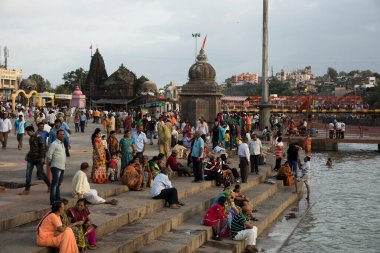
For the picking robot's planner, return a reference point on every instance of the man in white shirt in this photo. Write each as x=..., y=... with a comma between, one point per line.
x=203, y=128
x=244, y=157
x=162, y=189
x=81, y=187
x=51, y=118
x=140, y=140
x=5, y=129
x=56, y=157
x=255, y=147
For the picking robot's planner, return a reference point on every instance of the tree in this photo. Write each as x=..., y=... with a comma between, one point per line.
x=63, y=89
x=332, y=73
x=353, y=72
x=366, y=73
x=280, y=88
x=75, y=77
x=342, y=73
x=42, y=84
x=373, y=97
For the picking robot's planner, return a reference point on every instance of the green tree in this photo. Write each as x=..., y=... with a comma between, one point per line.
x=332, y=73
x=42, y=84
x=280, y=88
x=342, y=73
x=366, y=73
x=373, y=97
x=353, y=72
x=63, y=89
x=75, y=77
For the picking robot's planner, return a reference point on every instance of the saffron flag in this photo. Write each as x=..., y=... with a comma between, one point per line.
x=204, y=42
x=305, y=105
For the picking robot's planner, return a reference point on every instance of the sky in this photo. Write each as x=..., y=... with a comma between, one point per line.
x=154, y=37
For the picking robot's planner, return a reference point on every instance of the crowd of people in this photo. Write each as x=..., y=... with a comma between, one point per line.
x=208, y=150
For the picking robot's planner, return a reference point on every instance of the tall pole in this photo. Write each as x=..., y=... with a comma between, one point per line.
x=265, y=106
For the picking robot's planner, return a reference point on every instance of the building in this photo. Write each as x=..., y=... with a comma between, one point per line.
x=9, y=82
x=245, y=78
x=301, y=76
x=200, y=96
x=122, y=87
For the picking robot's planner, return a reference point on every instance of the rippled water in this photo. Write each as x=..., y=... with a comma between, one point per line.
x=346, y=213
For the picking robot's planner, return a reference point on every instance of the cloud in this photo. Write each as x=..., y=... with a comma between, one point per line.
x=153, y=37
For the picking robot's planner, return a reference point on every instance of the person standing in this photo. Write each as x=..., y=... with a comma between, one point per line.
x=305, y=167
x=82, y=121
x=139, y=139
x=56, y=157
x=35, y=157
x=255, y=148
x=44, y=135
x=197, y=155
x=20, y=125
x=127, y=149
x=51, y=118
x=279, y=152
x=99, y=170
x=293, y=158
x=5, y=129
x=244, y=157
x=152, y=129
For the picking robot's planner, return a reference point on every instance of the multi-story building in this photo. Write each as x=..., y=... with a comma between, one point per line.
x=245, y=78
x=9, y=81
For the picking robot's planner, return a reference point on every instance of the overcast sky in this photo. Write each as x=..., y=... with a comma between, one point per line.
x=153, y=37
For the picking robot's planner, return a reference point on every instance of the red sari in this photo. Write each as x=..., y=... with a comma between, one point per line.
x=88, y=228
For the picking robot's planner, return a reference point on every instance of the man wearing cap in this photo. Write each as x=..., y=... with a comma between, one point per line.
x=197, y=155
x=5, y=129
x=35, y=157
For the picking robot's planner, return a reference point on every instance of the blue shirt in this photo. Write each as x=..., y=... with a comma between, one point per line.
x=198, y=145
x=82, y=117
x=53, y=135
x=20, y=126
x=139, y=140
x=44, y=135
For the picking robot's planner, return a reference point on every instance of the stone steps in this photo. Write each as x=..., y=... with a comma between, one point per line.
x=132, y=206
x=133, y=236
x=193, y=237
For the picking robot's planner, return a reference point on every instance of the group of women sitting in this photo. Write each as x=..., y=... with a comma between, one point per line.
x=69, y=229
x=219, y=170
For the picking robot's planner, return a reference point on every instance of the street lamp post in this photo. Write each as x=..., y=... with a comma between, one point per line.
x=265, y=106
x=196, y=36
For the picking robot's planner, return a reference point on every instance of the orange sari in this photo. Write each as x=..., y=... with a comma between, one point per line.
x=65, y=241
x=132, y=178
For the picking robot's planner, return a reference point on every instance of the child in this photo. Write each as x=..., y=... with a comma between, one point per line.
x=113, y=167
x=76, y=122
x=105, y=145
x=329, y=162
x=148, y=174
x=227, y=140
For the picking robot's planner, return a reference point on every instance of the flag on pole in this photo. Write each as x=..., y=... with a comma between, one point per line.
x=204, y=42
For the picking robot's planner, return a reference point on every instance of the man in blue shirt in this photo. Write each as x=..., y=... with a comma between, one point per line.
x=44, y=135
x=53, y=135
x=20, y=125
x=197, y=157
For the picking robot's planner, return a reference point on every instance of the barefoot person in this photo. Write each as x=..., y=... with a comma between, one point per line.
x=81, y=187
x=133, y=175
x=162, y=189
x=242, y=228
x=305, y=167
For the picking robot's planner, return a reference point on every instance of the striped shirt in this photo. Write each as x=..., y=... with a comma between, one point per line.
x=238, y=224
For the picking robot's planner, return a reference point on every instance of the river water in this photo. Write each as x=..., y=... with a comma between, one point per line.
x=345, y=216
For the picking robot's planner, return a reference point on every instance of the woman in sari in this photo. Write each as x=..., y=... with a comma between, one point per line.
x=99, y=169
x=133, y=176
x=77, y=230
x=127, y=149
x=79, y=216
x=51, y=232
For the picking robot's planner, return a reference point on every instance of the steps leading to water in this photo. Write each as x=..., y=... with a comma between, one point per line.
x=190, y=236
